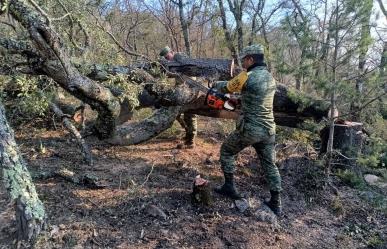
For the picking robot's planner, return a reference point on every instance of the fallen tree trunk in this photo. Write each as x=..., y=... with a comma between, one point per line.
x=214, y=69
x=191, y=102
x=30, y=213
x=288, y=103
x=55, y=63
x=146, y=129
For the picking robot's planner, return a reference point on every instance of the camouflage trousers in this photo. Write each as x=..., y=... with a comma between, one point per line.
x=263, y=144
x=191, y=128
x=190, y=124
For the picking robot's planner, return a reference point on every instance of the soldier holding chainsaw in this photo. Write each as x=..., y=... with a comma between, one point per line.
x=189, y=121
x=256, y=125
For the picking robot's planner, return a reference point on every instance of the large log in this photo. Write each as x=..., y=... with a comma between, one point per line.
x=214, y=69
x=291, y=106
x=138, y=132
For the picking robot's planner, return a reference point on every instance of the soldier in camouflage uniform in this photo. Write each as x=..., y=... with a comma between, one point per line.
x=189, y=121
x=255, y=127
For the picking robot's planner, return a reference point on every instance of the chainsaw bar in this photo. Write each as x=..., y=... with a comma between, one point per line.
x=194, y=83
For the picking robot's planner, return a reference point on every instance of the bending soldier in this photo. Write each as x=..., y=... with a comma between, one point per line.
x=189, y=121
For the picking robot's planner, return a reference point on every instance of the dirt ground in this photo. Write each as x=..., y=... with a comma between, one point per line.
x=146, y=202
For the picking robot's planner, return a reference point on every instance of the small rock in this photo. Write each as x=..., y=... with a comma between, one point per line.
x=208, y=161
x=264, y=214
x=62, y=226
x=372, y=179
x=142, y=233
x=156, y=212
x=375, y=181
x=214, y=140
x=175, y=236
x=54, y=230
x=242, y=204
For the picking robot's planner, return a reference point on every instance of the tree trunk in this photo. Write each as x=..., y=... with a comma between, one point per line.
x=185, y=28
x=226, y=30
x=363, y=47
x=135, y=133
x=298, y=106
x=30, y=213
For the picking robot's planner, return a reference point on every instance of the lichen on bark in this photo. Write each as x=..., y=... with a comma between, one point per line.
x=30, y=213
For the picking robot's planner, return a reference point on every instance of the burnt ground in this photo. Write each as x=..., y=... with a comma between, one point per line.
x=147, y=204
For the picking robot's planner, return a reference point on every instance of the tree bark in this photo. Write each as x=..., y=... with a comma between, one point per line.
x=296, y=105
x=236, y=9
x=185, y=28
x=348, y=138
x=146, y=129
x=227, y=32
x=365, y=33
x=30, y=213
x=216, y=69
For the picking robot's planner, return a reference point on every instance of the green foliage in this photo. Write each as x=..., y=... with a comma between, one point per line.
x=33, y=95
x=129, y=91
x=34, y=101
x=350, y=178
x=337, y=206
x=301, y=99
x=142, y=114
x=375, y=154
x=3, y=6
x=375, y=241
x=301, y=136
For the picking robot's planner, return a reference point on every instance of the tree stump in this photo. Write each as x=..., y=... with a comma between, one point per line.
x=348, y=138
x=201, y=192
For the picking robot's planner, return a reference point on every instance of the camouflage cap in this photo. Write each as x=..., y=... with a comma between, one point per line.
x=253, y=49
x=164, y=51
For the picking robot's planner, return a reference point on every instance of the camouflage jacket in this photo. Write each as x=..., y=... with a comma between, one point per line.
x=257, y=100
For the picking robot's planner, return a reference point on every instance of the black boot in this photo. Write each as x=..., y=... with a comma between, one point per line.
x=275, y=202
x=228, y=188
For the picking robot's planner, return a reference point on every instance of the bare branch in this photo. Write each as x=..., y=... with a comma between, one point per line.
x=382, y=8
x=117, y=42
x=67, y=123
x=9, y=24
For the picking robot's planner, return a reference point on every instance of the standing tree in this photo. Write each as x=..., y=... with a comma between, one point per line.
x=227, y=32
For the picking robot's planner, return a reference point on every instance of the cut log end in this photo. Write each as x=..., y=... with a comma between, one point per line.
x=348, y=138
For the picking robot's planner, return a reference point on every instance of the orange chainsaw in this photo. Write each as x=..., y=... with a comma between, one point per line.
x=220, y=101
x=214, y=99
